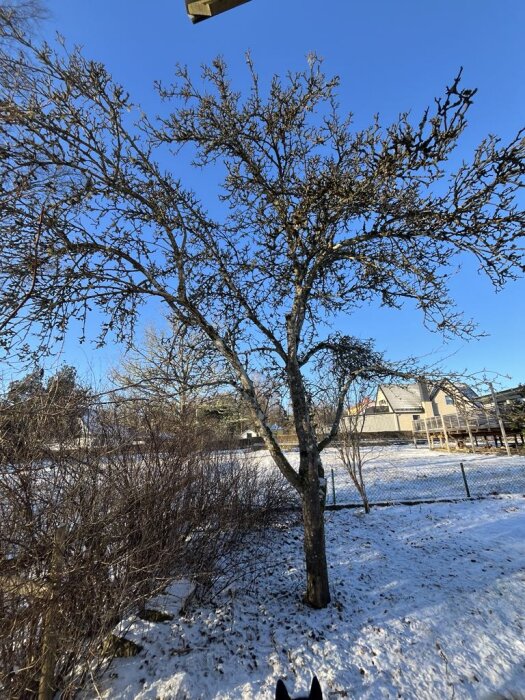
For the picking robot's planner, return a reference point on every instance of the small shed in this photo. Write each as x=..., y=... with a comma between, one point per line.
x=249, y=434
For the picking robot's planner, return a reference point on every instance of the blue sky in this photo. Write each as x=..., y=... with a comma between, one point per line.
x=391, y=57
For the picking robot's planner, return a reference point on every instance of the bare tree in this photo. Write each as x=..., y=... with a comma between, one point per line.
x=177, y=366
x=314, y=221
x=17, y=18
x=350, y=444
x=20, y=16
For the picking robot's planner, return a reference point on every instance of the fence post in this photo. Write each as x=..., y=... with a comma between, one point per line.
x=465, y=479
x=333, y=486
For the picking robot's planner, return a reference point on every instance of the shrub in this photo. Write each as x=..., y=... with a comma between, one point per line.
x=87, y=535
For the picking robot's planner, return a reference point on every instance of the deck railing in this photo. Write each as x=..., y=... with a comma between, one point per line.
x=456, y=423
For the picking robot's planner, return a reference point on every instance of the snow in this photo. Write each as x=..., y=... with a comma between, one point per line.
x=404, y=473
x=428, y=602
x=175, y=598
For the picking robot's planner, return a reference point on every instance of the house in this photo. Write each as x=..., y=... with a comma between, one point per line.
x=444, y=412
x=249, y=434
x=83, y=440
x=398, y=406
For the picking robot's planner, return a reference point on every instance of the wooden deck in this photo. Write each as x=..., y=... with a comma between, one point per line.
x=461, y=428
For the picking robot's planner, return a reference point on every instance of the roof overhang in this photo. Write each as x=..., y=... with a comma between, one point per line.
x=198, y=10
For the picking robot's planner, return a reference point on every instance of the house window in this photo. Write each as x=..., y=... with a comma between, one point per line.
x=449, y=400
x=415, y=417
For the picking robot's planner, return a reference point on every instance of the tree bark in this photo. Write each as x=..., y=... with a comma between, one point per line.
x=317, y=589
x=312, y=490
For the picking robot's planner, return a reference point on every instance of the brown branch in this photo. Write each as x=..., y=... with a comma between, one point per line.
x=27, y=296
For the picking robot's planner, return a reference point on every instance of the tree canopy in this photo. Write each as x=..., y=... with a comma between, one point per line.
x=315, y=219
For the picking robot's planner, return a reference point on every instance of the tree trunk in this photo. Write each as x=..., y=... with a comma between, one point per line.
x=317, y=590
x=313, y=493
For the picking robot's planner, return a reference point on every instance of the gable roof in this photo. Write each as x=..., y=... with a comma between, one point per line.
x=403, y=398
x=459, y=392
x=407, y=398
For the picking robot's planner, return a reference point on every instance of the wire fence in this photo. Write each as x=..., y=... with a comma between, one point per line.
x=427, y=480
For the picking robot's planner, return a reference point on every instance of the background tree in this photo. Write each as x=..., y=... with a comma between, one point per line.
x=177, y=367
x=513, y=415
x=222, y=418
x=35, y=414
x=314, y=221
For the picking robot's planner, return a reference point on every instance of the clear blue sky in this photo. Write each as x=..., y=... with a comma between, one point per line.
x=391, y=56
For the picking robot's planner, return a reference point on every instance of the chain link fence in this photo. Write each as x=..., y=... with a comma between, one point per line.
x=409, y=475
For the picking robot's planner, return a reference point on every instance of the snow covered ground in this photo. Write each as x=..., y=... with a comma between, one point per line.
x=428, y=603
x=404, y=473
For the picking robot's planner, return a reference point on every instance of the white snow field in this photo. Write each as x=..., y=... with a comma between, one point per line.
x=404, y=473
x=428, y=602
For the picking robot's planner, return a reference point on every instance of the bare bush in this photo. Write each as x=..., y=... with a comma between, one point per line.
x=350, y=441
x=35, y=415
x=86, y=535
